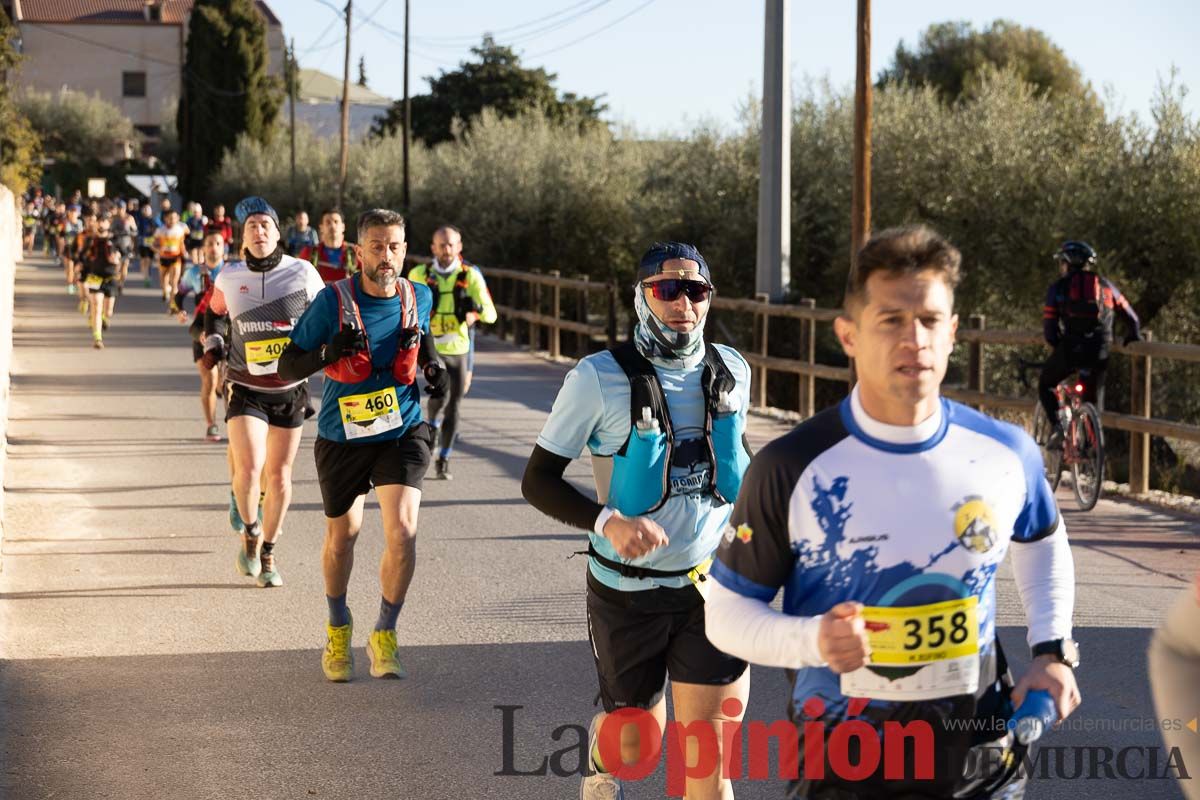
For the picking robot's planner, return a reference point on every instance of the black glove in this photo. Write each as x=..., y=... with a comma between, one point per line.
x=1133, y=336
x=346, y=342
x=437, y=379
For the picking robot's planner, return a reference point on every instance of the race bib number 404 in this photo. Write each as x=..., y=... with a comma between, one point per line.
x=919, y=652
x=262, y=357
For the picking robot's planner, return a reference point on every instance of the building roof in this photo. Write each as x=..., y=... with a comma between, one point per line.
x=320, y=87
x=174, y=12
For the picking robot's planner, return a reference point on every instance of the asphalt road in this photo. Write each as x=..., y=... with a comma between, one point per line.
x=137, y=664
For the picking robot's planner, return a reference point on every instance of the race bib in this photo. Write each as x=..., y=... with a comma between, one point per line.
x=262, y=357
x=919, y=652
x=93, y=281
x=370, y=414
x=445, y=328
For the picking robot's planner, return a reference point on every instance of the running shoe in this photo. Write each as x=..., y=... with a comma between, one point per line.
x=213, y=434
x=98, y=343
x=235, y=519
x=83, y=307
x=70, y=288
x=103, y=323
x=337, y=661
x=597, y=785
x=381, y=649
x=146, y=282
x=270, y=573
x=248, y=562
x=443, y=470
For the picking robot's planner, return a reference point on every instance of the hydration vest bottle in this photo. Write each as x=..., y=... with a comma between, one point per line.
x=642, y=486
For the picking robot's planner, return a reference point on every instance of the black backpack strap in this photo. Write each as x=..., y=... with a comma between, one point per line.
x=630, y=571
x=716, y=377
x=644, y=388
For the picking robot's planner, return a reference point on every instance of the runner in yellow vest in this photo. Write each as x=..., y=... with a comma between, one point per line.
x=460, y=299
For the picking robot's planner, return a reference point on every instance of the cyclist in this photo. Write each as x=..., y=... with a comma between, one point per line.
x=665, y=414
x=884, y=520
x=333, y=256
x=460, y=299
x=198, y=281
x=1077, y=321
x=369, y=332
x=263, y=295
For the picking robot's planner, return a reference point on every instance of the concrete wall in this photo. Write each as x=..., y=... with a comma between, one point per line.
x=10, y=252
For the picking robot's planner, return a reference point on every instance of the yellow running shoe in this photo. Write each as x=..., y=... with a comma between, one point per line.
x=337, y=660
x=381, y=648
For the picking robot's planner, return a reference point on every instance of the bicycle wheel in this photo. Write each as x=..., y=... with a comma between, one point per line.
x=1087, y=469
x=1052, y=460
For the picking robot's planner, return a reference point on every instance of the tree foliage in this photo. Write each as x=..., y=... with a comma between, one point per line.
x=20, y=146
x=495, y=80
x=227, y=91
x=953, y=58
x=77, y=128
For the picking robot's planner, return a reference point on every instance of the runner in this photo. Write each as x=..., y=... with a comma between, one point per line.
x=147, y=225
x=663, y=416
x=198, y=281
x=263, y=296
x=124, y=233
x=369, y=333
x=101, y=266
x=461, y=299
x=884, y=519
x=221, y=224
x=70, y=228
x=300, y=237
x=169, y=244
x=195, y=222
x=333, y=256
x=75, y=247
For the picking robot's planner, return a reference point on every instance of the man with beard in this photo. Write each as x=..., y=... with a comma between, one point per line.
x=263, y=295
x=369, y=333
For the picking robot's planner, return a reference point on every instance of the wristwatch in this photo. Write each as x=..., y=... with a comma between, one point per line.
x=1065, y=650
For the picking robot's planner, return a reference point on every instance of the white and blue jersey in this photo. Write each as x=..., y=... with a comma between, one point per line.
x=382, y=318
x=592, y=410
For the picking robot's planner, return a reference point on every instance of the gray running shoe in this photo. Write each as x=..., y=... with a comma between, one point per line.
x=598, y=785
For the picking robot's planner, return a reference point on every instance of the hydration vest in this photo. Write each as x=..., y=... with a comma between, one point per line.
x=357, y=368
x=641, y=478
x=1086, y=311
x=329, y=270
x=462, y=300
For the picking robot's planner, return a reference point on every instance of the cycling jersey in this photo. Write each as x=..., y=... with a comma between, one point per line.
x=262, y=307
x=449, y=326
x=355, y=406
x=1060, y=315
x=168, y=242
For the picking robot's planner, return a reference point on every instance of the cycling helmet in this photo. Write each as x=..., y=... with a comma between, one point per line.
x=1077, y=254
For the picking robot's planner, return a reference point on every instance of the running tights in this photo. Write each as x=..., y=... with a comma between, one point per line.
x=457, y=367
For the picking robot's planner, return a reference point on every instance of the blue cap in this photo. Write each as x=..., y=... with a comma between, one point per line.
x=660, y=252
x=252, y=205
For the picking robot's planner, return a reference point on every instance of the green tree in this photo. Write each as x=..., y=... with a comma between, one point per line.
x=953, y=57
x=20, y=147
x=77, y=128
x=495, y=80
x=226, y=89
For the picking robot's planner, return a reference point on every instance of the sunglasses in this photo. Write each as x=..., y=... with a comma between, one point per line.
x=669, y=290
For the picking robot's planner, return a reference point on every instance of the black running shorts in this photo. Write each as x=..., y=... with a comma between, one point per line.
x=639, y=638
x=107, y=287
x=145, y=252
x=165, y=264
x=346, y=471
x=277, y=409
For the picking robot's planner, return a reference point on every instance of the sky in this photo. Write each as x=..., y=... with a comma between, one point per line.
x=665, y=66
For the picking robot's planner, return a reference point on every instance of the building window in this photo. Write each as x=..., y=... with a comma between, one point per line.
x=133, y=84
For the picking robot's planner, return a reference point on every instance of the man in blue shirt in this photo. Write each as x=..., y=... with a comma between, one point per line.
x=663, y=417
x=369, y=332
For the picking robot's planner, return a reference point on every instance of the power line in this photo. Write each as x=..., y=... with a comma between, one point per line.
x=535, y=33
x=596, y=32
x=509, y=29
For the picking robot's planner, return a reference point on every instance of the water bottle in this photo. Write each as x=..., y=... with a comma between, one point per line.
x=647, y=426
x=1035, y=715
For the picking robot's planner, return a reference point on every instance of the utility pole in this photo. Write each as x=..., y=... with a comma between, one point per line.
x=774, y=272
x=860, y=208
x=345, y=156
x=292, y=76
x=407, y=113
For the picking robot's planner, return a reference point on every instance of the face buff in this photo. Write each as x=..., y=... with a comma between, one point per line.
x=264, y=264
x=661, y=345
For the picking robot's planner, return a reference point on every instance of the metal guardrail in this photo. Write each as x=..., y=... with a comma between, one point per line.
x=521, y=300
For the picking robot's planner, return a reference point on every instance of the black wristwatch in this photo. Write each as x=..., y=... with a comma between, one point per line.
x=1065, y=650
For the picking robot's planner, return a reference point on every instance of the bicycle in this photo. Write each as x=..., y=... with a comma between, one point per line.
x=1082, y=449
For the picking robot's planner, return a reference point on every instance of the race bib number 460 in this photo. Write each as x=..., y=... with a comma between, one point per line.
x=370, y=414
x=262, y=357
x=919, y=652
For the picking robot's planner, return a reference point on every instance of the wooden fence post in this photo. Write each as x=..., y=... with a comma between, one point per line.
x=763, y=323
x=555, y=311
x=807, y=400
x=582, y=340
x=503, y=299
x=535, y=330
x=975, y=372
x=1139, y=443
x=519, y=288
